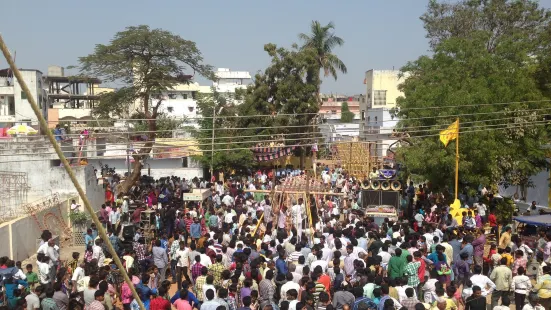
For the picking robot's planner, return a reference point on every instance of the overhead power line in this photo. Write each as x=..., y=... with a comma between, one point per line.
x=314, y=135
x=476, y=129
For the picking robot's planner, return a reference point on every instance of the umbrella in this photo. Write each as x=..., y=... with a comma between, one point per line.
x=22, y=130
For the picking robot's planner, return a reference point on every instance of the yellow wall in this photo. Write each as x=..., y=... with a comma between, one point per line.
x=384, y=80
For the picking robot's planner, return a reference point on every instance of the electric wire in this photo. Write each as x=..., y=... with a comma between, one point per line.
x=482, y=128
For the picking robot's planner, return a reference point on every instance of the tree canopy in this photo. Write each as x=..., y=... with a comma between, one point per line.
x=347, y=116
x=483, y=70
x=322, y=40
x=147, y=62
x=227, y=152
x=287, y=86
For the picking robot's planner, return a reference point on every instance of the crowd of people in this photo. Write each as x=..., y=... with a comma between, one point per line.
x=238, y=250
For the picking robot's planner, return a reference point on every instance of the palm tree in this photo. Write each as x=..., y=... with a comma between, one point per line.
x=322, y=40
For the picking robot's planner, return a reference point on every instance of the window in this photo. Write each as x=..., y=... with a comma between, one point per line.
x=194, y=95
x=184, y=96
x=55, y=163
x=333, y=111
x=363, y=115
x=184, y=162
x=172, y=96
x=375, y=119
x=379, y=97
x=369, y=119
x=191, y=109
x=170, y=109
x=23, y=95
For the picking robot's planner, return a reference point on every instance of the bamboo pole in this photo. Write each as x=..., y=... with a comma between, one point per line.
x=457, y=161
x=67, y=167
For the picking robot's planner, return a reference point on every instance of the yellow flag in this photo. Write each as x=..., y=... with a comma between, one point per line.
x=450, y=133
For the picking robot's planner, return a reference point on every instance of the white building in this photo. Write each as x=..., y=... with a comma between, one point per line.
x=169, y=157
x=378, y=121
x=14, y=105
x=228, y=81
x=181, y=101
x=335, y=132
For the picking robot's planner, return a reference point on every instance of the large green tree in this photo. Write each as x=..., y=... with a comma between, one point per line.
x=222, y=148
x=347, y=116
x=147, y=62
x=322, y=40
x=287, y=86
x=484, y=54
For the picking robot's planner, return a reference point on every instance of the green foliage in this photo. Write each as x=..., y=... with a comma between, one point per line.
x=226, y=137
x=321, y=41
x=78, y=218
x=147, y=62
x=287, y=86
x=346, y=115
x=486, y=61
x=165, y=124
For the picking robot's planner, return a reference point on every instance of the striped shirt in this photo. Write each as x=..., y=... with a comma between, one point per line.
x=293, y=257
x=318, y=289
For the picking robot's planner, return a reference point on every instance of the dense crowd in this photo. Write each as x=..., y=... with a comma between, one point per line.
x=241, y=250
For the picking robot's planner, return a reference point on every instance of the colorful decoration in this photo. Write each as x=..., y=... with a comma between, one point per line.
x=271, y=153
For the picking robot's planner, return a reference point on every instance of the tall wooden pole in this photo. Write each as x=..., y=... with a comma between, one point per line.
x=457, y=161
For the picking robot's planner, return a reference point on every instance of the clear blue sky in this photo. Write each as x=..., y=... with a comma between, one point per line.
x=378, y=34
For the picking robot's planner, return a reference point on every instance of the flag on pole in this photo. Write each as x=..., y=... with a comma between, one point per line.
x=450, y=133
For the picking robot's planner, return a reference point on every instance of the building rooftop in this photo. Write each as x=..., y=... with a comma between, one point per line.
x=7, y=72
x=224, y=73
x=73, y=79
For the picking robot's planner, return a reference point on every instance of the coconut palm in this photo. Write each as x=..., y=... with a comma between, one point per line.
x=322, y=40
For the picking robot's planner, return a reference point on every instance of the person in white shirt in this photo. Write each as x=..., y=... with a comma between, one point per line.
x=74, y=206
x=385, y=256
x=209, y=286
x=205, y=259
x=481, y=207
x=182, y=264
x=114, y=216
x=43, y=269
x=97, y=252
x=533, y=303
x=78, y=274
x=521, y=285
x=296, y=216
x=482, y=281
x=289, y=285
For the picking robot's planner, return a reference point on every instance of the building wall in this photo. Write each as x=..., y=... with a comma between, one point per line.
x=383, y=80
x=20, y=236
x=45, y=177
x=23, y=110
x=157, y=168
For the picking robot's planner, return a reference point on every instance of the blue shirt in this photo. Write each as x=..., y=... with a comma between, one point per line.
x=190, y=297
x=88, y=240
x=195, y=230
x=434, y=257
x=281, y=266
x=57, y=133
x=381, y=304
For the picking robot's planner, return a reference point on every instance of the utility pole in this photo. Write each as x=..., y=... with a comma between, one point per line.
x=128, y=153
x=212, y=141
